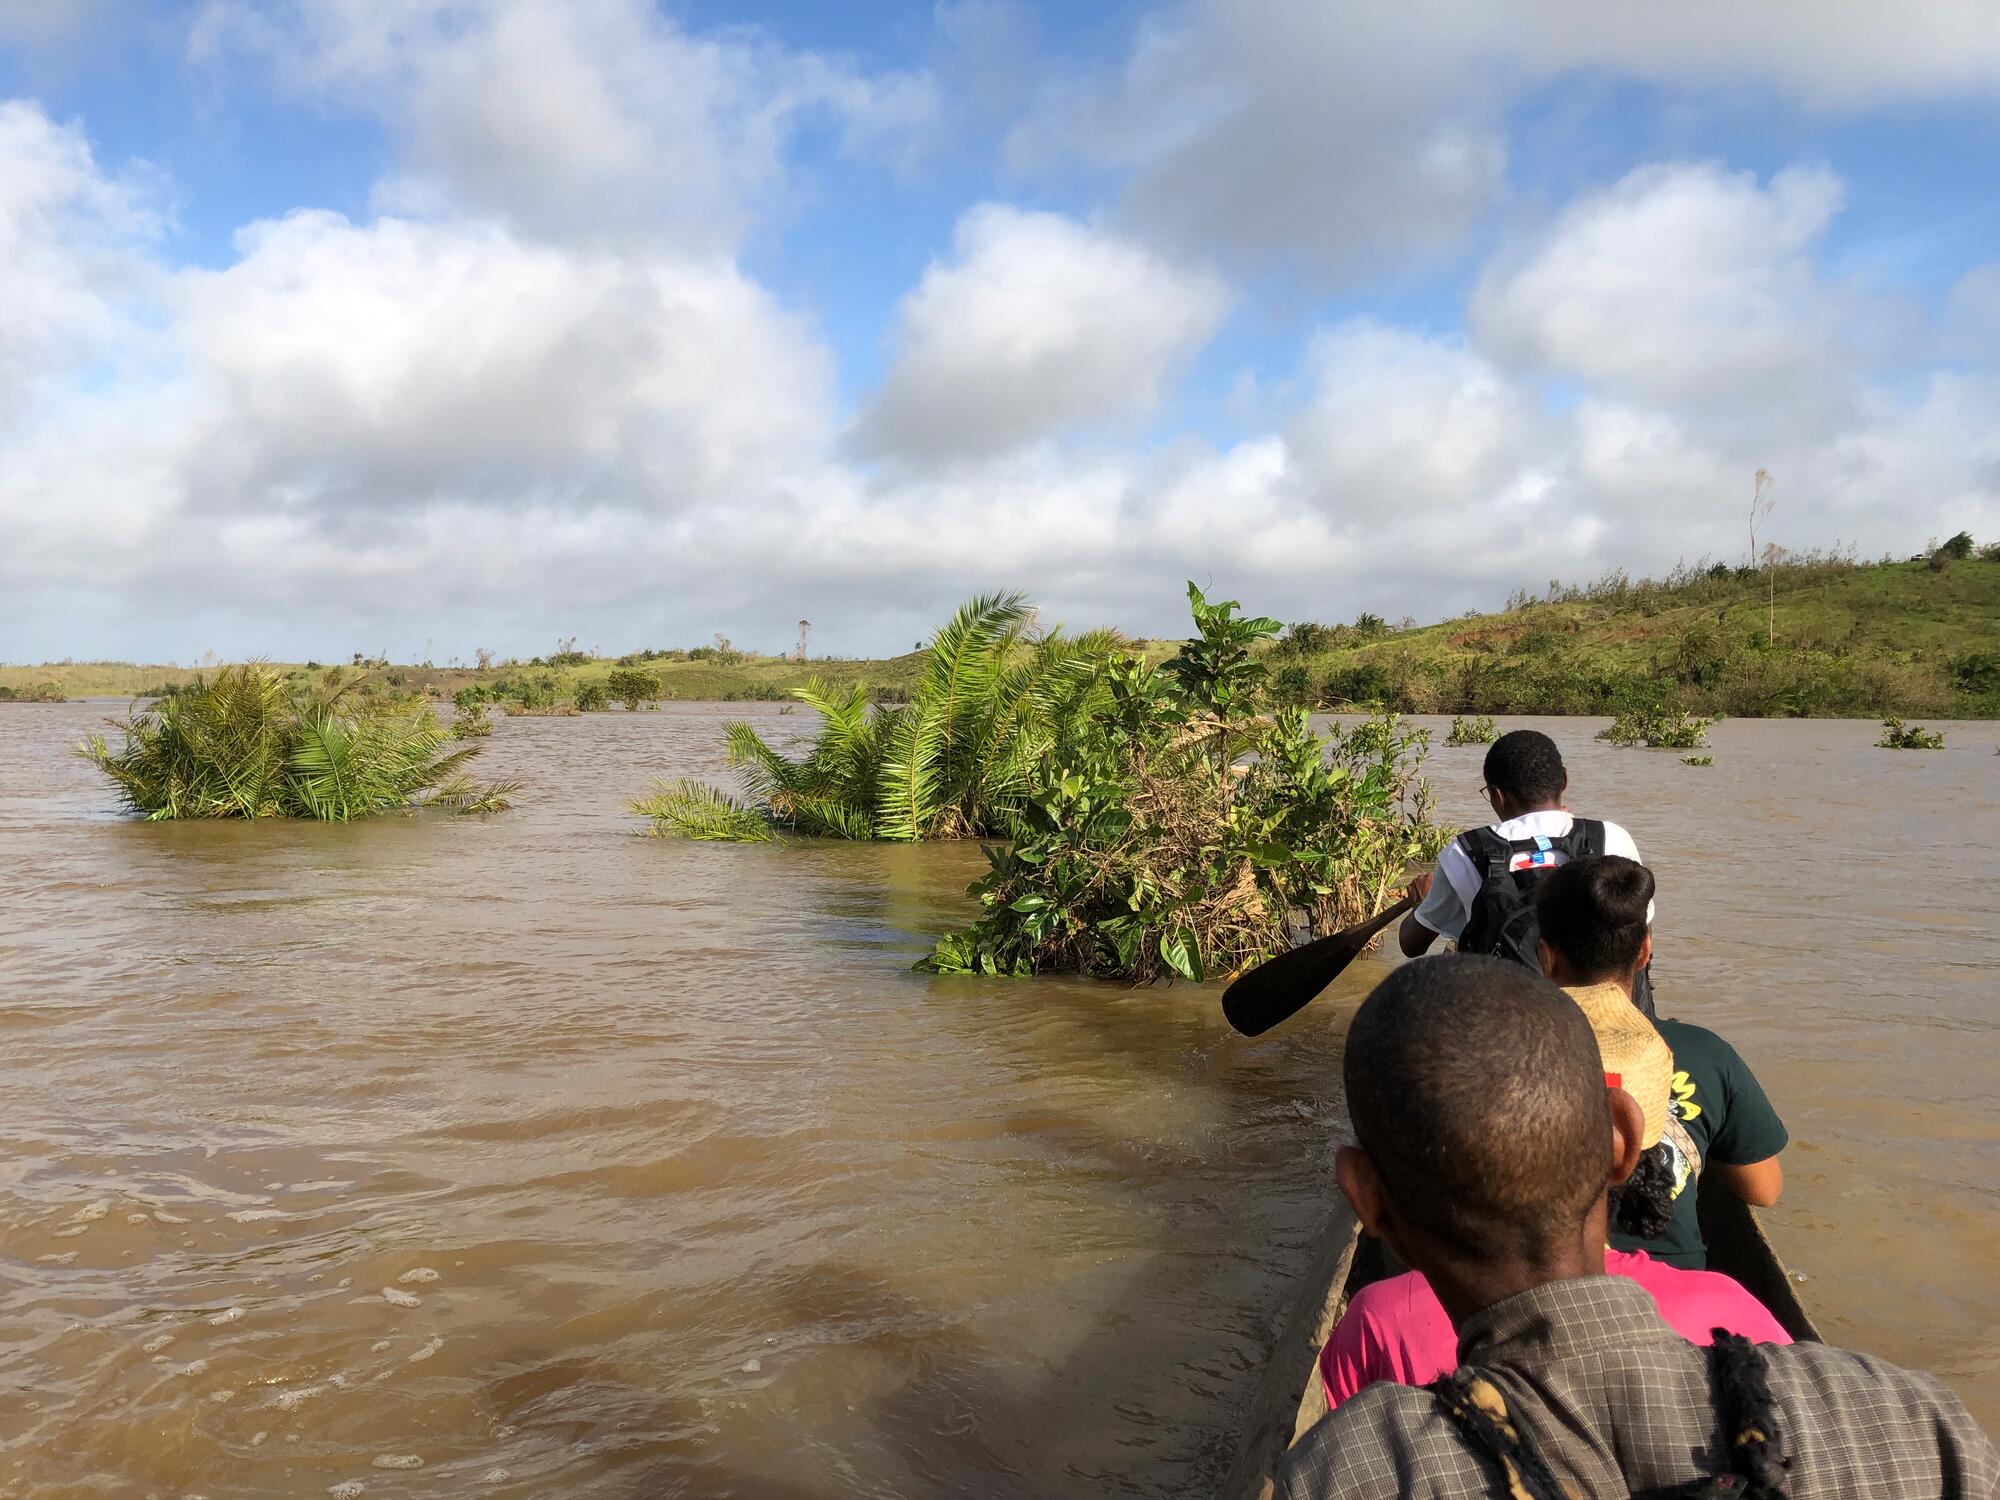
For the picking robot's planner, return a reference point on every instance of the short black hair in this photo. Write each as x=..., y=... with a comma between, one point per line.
x=1525, y=764
x=1477, y=1089
x=1593, y=912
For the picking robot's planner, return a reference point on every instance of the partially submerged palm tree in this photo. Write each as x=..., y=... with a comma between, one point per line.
x=242, y=745
x=953, y=762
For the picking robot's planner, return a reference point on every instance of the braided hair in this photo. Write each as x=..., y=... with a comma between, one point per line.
x=1477, y=1408
x=1643, y=1205
x=1742, y=1383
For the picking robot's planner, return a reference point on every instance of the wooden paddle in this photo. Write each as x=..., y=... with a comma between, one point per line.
x=1280, y=987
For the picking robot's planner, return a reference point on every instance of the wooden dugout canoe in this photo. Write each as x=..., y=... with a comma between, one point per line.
x=1290, y=1398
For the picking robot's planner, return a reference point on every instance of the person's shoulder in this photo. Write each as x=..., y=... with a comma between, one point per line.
x=1699, y=1042
x=1852, y=1384
x=1618, y=839
x=1382, y=1441
x=1389, y=1297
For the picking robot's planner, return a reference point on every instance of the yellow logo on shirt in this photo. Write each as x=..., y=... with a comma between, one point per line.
x=1684, y=1107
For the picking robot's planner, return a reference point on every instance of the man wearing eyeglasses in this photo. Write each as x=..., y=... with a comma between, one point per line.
x=1479, y=894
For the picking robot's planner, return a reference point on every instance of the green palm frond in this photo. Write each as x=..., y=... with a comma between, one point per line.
x=907, y=803
x=690, y=809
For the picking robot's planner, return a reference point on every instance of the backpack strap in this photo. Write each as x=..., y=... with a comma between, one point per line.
x=1585, y=839
x=1475, y=1406
x=1490, y=854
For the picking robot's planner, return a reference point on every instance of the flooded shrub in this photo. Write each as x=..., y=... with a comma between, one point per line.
x=633, y=688
x=956, y=761
x=1896, y=735
x=1191, y=828
x=41, y=692
x=471, y=723
x=1480, y=731
x=244, y=745
x=1660, y=727
x=592, y=697
x=1697, y=760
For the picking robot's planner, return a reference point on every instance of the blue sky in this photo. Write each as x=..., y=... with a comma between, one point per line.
x=343, y=324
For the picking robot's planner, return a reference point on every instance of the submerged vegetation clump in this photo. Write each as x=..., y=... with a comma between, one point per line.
x=1464, y=731
x=1697, y=760
x=1896, y=735
x=41, y=692
x=245, y=744
x=957, y=760
x=1657, y=726
x=1191, y=828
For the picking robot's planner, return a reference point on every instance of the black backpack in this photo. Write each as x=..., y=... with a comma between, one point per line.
x=1502, y=920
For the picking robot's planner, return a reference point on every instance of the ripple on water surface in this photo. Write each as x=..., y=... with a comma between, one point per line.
x=558, y=1161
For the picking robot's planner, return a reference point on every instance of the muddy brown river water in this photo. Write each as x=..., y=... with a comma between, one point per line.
x=521, y=1156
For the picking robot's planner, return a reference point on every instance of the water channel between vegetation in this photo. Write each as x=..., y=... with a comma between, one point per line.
x=568, y=1162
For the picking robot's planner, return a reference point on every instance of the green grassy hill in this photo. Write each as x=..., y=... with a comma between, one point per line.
x=1814, y=635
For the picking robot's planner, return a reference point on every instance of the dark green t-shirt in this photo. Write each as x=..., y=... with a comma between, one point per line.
x=1718, y=1099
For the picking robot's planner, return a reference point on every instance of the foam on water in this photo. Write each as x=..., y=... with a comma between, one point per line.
x=156, y=1343
x=398, y=1461
x=427, y=1351
x=347, y=1489
x=401, y=1299
x=419, y=1275
x=227, y=1315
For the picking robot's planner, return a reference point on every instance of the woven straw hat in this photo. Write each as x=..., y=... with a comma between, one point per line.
x=1636, y=1057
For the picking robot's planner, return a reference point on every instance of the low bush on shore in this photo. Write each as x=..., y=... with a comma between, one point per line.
x=41, y=692
x=243, y=744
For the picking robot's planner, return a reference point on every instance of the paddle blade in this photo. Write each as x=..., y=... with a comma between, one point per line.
x=1281, y=987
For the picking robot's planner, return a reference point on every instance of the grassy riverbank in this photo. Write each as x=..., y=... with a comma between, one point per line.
x=1816, y=636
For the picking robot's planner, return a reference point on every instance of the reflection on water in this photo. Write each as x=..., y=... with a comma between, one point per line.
x=522, y=1156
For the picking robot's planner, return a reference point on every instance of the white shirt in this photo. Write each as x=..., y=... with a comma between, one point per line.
x=1448, y=907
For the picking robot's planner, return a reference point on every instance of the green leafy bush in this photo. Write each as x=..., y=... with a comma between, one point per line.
x=1896, y=735
x=1659, y=726
x=471, y=723
x=1191, y=830
x=243, y=745
x=1480, y=731
x=633, y=688
x=591, y=697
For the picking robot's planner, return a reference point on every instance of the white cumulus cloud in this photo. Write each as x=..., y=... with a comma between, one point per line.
x=1038, y=325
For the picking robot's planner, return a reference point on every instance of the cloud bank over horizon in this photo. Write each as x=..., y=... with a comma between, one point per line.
x=595, y=321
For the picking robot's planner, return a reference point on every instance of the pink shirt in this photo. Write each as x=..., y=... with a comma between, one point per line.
x=1397, y=1329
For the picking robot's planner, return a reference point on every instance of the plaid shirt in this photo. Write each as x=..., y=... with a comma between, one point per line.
x=1620, y=1405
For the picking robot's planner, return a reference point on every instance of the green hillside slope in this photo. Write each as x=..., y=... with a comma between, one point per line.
x=1814, y=635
